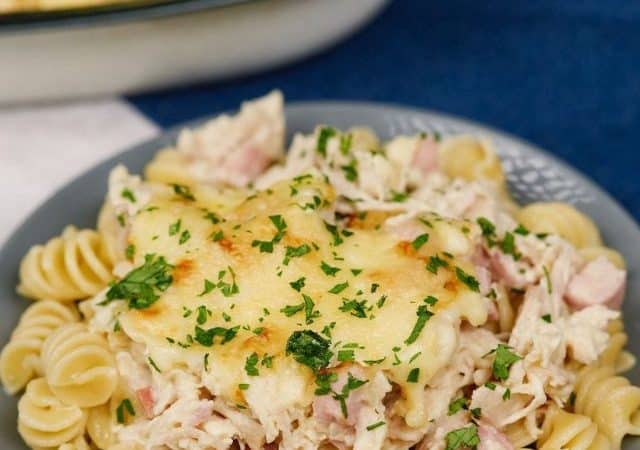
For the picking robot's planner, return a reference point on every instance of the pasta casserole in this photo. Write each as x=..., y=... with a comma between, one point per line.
x=345, y=294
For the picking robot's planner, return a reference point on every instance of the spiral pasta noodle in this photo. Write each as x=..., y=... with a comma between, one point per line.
x=564, y=430
x=99, y=424
x=610, y=401
x=470, y=158
x=561, y=219
x=79, y=366
x=615, y=355
x=20, y=358
x=518, y=434
x=44, y=420
x=614, y=257
x=69, y=267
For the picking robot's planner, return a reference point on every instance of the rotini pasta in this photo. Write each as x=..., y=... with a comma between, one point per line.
x=615, y=355
x=99, y=425
x=567, y=431
x=44, y=420
x=614, y=257
x=610, y=401
x=20, y=358
x=470, y=158
x=78, y=366
x=70, y=267
x=561, y=219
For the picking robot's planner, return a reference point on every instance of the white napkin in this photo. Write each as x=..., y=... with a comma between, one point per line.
x=44, y=147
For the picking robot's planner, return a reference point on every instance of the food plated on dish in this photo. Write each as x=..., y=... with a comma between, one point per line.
x=348, y=293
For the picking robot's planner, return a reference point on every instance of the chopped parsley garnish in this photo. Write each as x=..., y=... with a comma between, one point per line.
x=504, y=359
x=295, y=252
x=184, y=237
x=491, y=386
x=460, y=438
x=206, y=362
x=373, y=426
x=243, y=386
x=290, y=310
x=250, y=365
x=227, y=289
x=350, y=171
x=345, y=143
x=572, y=399
x=183, y=191
x=125, y=405
x=217, y=236
x=414, y=375
x=337, y=240
x=476, y=412
x=355, y=307
x=141, y=286
x=212, y=217
x=488, y=230
x=339, y=288
x=324, y=382
x=207, y=337
x=547, y=277
x=423, y=316
x=435, y=262
x=420, y=241
x=399, y=197
x=381, y=301
x=373, y=362
x=298, y=284
x=309, y=313
x=508, y=246
x=310, y=349
x=507, y=394
x=120, y=218
x=267, y=246
x=329, y=270
x=521, y=230
x=327, y=329
x=374, y=287
x=546, y=318
x=208, y=287
x=346, y=355
x=325, y=134
x=469, y=280
x=458, y=405
x=128, y=195
x=352, y=384
x=267, y=361
x=130, y=252
x=153, y=364
x=174, y=228
x=202, y=315
x=356, y=272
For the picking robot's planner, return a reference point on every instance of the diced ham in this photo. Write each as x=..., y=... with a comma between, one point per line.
x=247, y=163
x=425, y=156
x=492, y=439
x=327, y=410
x=146, y=399
x=598, y=283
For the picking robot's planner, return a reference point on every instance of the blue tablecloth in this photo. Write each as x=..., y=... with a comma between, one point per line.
x=562, y=74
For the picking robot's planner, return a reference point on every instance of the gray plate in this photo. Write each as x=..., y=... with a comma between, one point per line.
x=533, y=175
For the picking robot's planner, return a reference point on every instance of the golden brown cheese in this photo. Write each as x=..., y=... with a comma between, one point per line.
x=386, y=277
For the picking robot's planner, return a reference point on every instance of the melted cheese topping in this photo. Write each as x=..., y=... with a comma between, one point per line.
x=369, y=263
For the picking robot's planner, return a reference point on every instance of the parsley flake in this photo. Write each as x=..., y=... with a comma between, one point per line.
x=310, y=349
x=420, y=241
x=466, y=437
x=142, y=285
